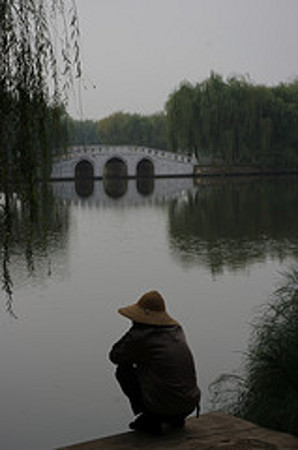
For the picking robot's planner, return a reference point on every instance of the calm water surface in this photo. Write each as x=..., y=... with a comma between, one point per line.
x=215, y=249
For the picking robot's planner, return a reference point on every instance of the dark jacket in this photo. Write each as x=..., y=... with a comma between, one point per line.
x=164, y=366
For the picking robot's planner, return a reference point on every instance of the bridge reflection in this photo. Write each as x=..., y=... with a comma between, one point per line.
x=112, y=191
x=114, y=188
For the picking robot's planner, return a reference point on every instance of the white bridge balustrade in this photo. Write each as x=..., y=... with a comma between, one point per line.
x=97, y=161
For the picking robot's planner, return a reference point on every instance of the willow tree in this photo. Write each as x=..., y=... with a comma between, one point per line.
x=39, y=57
x=235, y=122
x=180, y=112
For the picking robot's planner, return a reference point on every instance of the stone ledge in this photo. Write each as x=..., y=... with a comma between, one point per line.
x=212, y=431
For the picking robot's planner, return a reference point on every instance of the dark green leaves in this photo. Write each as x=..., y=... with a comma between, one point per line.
x=235, y=122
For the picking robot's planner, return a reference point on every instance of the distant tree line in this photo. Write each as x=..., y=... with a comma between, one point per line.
x=125, y=128
x=81, y=132
x=235, y=122
x=119, y=129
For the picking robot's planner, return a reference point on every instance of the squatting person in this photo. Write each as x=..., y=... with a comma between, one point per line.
x=155, y=367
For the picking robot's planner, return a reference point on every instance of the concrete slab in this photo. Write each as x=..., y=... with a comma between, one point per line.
x=213, y=431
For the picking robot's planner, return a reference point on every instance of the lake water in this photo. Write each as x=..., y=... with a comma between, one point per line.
x=214, y=248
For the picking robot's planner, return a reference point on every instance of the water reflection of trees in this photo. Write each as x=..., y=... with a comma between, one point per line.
x=32, y=226
x=234, y=222
x=267, y=393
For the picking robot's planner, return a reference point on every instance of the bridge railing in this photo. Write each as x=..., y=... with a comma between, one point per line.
x=95, y=150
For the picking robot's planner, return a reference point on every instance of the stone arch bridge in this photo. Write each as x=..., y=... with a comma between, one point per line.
x=99, y=161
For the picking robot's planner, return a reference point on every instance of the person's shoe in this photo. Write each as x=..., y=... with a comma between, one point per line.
x=147, y=423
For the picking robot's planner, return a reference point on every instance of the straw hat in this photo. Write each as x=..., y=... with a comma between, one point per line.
x=149, y=309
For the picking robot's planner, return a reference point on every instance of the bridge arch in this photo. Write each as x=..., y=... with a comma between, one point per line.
x=145, y=168
x=115, y=167
x=84, y=170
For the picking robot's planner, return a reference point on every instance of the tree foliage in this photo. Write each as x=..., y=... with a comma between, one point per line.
x=38, y=41
x=81, y=132
x=133, y=129
x=38, y=54
x=235, y=121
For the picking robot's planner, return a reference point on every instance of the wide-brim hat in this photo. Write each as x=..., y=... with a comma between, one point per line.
x=150, y=309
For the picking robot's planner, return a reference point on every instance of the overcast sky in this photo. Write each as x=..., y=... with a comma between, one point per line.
x=136, y=52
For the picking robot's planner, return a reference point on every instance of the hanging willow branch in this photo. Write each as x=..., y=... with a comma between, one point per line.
x=39, y=45
x=39, y=59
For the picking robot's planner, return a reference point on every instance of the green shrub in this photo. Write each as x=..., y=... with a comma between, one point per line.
x=267, y=391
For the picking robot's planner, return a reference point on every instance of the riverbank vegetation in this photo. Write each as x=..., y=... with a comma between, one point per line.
x=133, y=129
x=118, y=129
x=231, y=123
x=235, y=122
x=267, y=392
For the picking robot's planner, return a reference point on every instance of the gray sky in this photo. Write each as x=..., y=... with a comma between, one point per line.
x=136, y=52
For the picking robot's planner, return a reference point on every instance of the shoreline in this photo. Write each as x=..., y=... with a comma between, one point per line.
x=211, y=431
x=207, y=170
